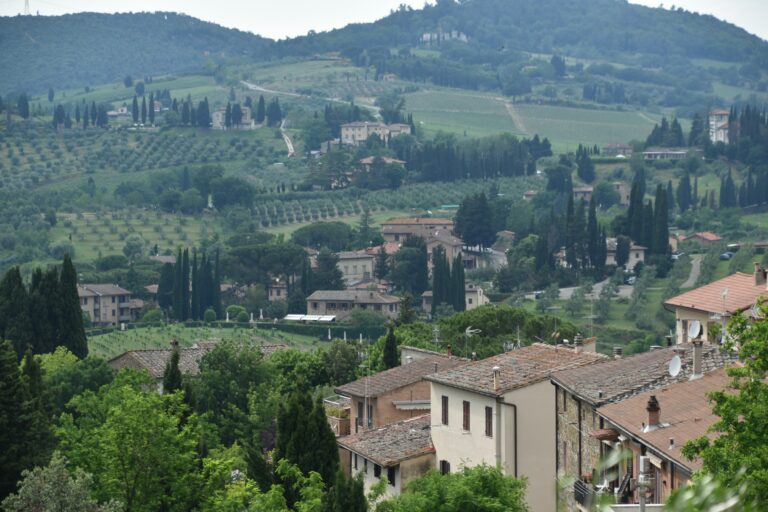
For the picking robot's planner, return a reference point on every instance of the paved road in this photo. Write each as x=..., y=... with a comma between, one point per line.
x=695, y=271
x=565, y=293
x=287, y=139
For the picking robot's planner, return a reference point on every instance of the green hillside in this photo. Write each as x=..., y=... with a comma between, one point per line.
x=83, y=49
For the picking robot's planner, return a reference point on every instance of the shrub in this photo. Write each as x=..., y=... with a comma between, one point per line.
x=209, y=316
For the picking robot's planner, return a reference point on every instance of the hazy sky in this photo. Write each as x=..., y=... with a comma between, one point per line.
x=280, y=18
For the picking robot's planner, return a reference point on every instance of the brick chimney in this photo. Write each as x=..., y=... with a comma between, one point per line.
x=759, y=275
x=578, y=344
x=654, y=412
x=698, y=355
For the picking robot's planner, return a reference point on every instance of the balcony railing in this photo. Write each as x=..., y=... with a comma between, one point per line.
x=583, y=493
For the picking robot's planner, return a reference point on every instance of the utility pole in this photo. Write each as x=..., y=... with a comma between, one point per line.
x=26, y=7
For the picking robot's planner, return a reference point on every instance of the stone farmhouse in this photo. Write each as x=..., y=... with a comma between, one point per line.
x=108, y=304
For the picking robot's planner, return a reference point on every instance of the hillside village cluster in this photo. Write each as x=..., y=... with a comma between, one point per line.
x=551, y=413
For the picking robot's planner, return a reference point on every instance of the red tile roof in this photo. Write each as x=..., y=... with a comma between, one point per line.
x=742, y=294
x=686, y=414
x=392, y=444
x=705, y=235
x=415, y=221
x=518, y=368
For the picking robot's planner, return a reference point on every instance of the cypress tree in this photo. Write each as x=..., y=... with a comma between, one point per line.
x=441, y=278
x=172, y=379
x=44, y=302
x=178, y=295
x=86, y=118
x=151, y=107
x=684, y=192
x=382, y=263
x=457, y=278
x=40, y=441
x=391, y=357
x=261, y=110
x=23, y=106
x=77, y=114
x=165, y=287
x=143, y=110
x=135, y=109
x=15, y=324
x=185, y=113
x=593, y=235
x=648, y=227
x=185, y=285
x=14, y=422
x=661, y=222
x=94, y=113
x=216, y=288
x=228, y=116
x=195, y=307
x=71, y=332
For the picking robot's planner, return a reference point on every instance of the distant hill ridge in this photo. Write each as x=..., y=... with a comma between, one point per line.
x=86, y=49
x=82, y=49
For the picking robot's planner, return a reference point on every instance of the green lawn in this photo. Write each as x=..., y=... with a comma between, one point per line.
x=115, y=343
x=353, y=220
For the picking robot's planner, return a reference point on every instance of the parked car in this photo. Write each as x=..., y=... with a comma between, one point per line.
x=630, y=280
x=726, y=256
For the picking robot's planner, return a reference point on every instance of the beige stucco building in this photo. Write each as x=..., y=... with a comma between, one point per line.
x=108, y=304
x=356, y=266
x=501, y=411
x=399, y=452
x=397, y=230
x=341, y=303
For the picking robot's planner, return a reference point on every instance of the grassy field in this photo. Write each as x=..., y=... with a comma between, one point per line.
x=476, y=114
x=472, y=114
x=94, y=235
x=353, y=220
x=115, y=343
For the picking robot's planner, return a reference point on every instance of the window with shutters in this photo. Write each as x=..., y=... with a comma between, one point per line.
x=465, y=422
x=489, y=421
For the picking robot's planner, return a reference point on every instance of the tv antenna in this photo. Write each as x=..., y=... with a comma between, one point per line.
x=26, y=7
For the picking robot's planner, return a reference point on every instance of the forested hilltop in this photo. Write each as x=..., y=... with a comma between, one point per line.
x=84, y=49
x=618, y=52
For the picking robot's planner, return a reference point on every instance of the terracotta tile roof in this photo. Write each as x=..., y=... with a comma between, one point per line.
x=519, y=368
x=389, y=248
x=418, y=221
x=154, y=361
x=443, y=238
x=704, y=235
x=356, y=296
x=346, y=255
x=387, y=160
x=685, y=408
x=84, y=290
x=390, y=445
x=618, y=379
x=742, y=294
x=399, y=376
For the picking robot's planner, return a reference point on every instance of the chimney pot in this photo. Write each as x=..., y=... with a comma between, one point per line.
x=698, y=352
x=671, y=442
x=617, y=352
x=654, y=411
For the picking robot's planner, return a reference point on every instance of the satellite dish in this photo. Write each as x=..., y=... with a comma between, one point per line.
x=694, y=329
x=675, y=365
